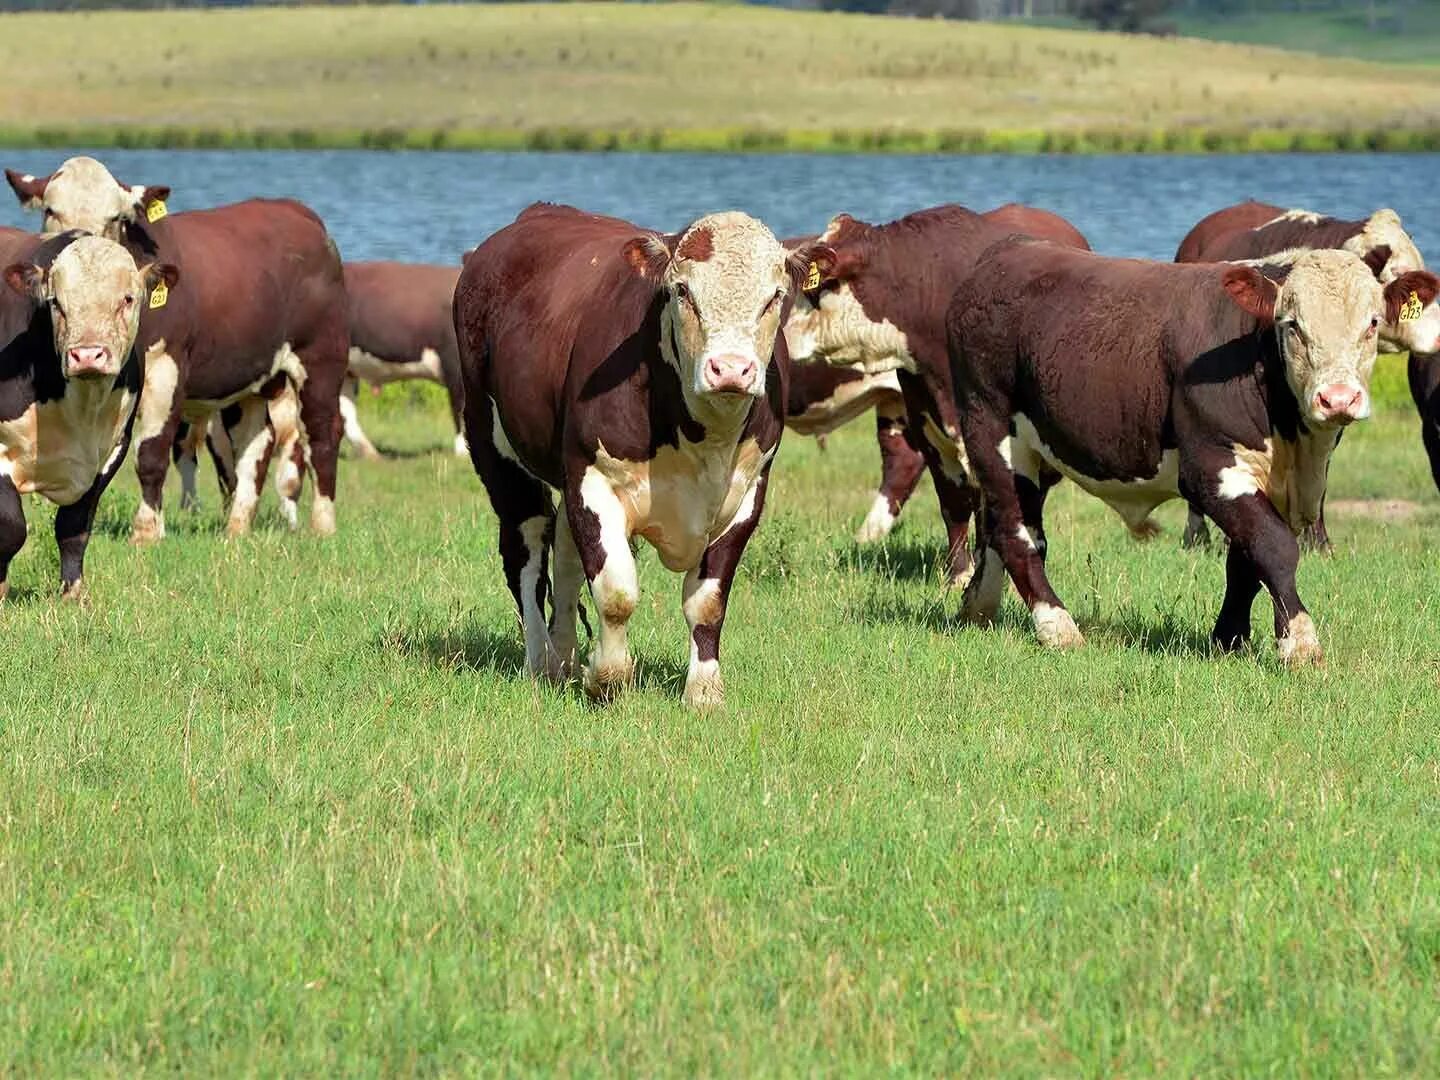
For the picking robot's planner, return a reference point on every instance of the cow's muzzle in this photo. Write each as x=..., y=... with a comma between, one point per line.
x=1340, y=403
x=731, y=373
x=89, y=361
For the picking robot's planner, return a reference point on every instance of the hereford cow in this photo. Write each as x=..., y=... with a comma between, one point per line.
x=263, y=310
x=1253, y=230
x=640, y=376
x=1226, y=384
x=401, y=327
x=70, y=379
x=880, y=307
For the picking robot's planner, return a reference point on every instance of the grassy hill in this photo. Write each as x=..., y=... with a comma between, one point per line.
x=1393, y=33
x=703, y=76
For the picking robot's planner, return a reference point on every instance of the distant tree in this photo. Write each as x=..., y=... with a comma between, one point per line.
x=1128, y=15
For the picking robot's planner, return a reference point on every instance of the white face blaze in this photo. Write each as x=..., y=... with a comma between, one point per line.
x=83, y=195
x=1384, y=229
x=727, y=283
x=1327, y=317
x=95, y=293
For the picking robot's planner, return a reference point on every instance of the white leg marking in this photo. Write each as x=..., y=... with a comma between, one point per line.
x=703, y=607
x=1055, y=628
x=462, y=448
x=350, y=414
x=986, y=589
x=532, y=614
x=1301, y=645
x=616, y=589
x=253, y=437
x=157, y=400
x=878, y=522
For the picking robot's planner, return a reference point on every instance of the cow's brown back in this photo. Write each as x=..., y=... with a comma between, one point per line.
x=1041, y=224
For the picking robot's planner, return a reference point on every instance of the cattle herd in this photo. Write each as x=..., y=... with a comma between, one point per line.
x=644, y=379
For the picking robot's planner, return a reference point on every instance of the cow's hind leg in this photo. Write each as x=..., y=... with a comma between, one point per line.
x=222, y=449
x=1015, y=483
x=602, y=536
x=290, y=470
x=900, y=468
x=564, y=660
x=187, y=462
x=1197, y=532
x=254, y=440
x=707, y=594
x=12, y=530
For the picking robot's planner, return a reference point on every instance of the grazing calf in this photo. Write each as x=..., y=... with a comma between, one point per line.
x=1226, y=384
x=881, y=306
x=401, y=327
x=640, y=376
x=1252, y=230
x=69, y=382
x=263, y=311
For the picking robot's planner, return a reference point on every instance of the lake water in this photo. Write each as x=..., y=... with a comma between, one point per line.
x=430, y=207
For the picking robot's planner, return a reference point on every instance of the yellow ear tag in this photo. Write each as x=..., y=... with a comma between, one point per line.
x=1410, y=310
x=159, y=295
x=153, y=213
x=812, y=278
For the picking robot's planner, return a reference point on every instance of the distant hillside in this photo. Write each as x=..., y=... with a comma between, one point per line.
x=667, y=75
x=1388, y=32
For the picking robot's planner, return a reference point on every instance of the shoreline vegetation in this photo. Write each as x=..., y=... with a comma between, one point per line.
x=1187, y=140
x=679, y=77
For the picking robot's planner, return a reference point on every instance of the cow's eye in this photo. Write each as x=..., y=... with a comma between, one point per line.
x=129, y=300
x=682, y=291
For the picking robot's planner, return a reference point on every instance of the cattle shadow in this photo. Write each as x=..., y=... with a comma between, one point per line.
x=500, y=650
x=1160, y=633
x=897, y=558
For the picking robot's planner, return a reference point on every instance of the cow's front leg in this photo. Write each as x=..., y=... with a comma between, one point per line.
x=74, y=522
x=562, y=661
x=707, y=594
x=254, y=441
x=601, y=532
x=900, y=468
x=350, y=414
x=1259, y=536
x=156, y=421
x=12, y=530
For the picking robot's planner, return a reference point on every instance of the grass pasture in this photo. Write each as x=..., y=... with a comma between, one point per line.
x=677, y=76
x=287, y=806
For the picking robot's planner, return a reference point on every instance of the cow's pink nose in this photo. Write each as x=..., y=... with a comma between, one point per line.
x=730, y=372
x=89, y=359
x=1340, y=400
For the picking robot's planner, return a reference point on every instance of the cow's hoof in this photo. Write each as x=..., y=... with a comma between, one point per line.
x=877, y=524
x=322, y=516
x=704, y=690
x=1146, y=531
x=559, y=669
x=604, y=681
x=290, y=511
x=75, y=593
x=1056, y=629
x=1300, y=647
x=147, y=528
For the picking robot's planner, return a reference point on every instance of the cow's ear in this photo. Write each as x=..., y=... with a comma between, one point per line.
x=1422, y=285
x=30, y=190
x=148, y=202
x=811, y=265
x=156, y=273
x=1252, y=291
x=27, y=279
x=1376, y=258
x=648, y=256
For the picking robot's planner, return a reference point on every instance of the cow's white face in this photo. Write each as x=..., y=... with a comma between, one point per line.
x=1412, y=312
x=95, y=294
x=1384, y=229
x=1328, y=314
x=81, y=195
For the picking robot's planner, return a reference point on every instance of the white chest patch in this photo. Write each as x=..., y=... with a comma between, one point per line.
x=684, y=498
x=1134, y=500
x=1291, y=475
x=58, y=448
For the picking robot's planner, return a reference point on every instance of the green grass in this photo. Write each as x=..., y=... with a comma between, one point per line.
x=1407, y=33
x=675, y=76
x=283, y=806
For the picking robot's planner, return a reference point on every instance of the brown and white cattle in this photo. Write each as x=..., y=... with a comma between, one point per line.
x=402, y=327
x=640, y=376
x=1253, y=230
x=1227, y=385
x=880, y=307
x=70, y=380
x=263, y=311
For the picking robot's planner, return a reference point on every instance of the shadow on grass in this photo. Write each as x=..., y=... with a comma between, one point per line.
x=898, y=558
x=472, y=646
x=1161, y=632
